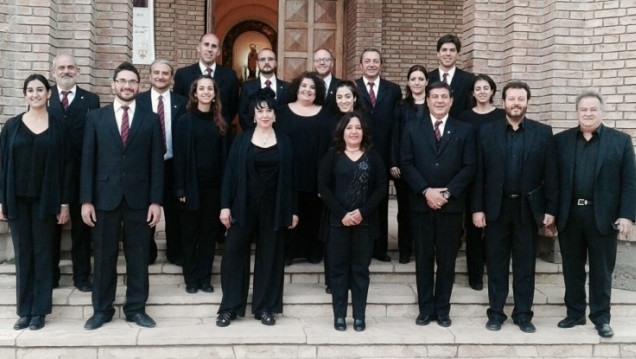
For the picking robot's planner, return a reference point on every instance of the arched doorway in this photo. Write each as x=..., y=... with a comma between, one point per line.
x=238, y=41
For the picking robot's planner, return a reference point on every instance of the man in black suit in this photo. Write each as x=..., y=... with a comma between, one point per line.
x=70, y=104
x=122, y=183
x=266, y=79
x=438, y=162
x=597, y=202
x=448, y=47
x=515, y=192
x=208, y=50
x=380, y=97
x=169, y=106
x=323, y=65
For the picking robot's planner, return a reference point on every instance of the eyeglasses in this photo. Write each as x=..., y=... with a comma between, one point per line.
x=264, y=59
x=130, y=82
x=324, y=59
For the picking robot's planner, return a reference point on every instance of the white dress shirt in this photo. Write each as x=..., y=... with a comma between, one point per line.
x=167, y=117
x=119, y=112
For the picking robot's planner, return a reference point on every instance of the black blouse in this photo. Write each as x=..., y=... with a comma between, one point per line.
x=30, y=152
x=262, y=171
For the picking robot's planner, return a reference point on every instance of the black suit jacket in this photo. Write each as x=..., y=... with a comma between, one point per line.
x=614, y=184
x=112, y=172
x=423, y=165
x=330, y=99
x=177, y=108
x=539, y=168
x=461, y=89
x=225, y=79
x=381, y=118
x=251, y=88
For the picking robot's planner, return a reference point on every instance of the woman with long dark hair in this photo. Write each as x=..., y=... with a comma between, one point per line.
x=34, y=196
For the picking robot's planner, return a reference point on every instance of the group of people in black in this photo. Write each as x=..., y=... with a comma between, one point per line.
x=307, y=178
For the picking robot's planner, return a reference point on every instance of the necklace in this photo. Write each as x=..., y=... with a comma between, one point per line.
x=264, y=139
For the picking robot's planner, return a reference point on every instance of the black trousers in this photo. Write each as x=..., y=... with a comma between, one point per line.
x=269, y=265
x=405, y=239
x=475, y=248
x=106, y=244
x=350, y=250
x=579, y=241
x=33, y=244
x=511, y=237
x=200, y=230
x=436, y=236
x=381, y=242
x=172, y=217
x=304, y=241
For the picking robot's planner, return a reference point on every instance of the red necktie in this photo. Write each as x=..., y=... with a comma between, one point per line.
x=445, y=77
x=65, y=99
x=372, y=94
x=209, y=71
x=162, y=119
x=124, y=125
x=268, y=84
x=438, y=134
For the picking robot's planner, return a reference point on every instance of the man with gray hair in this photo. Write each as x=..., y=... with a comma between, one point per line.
x=169, y=106
x=597, y=202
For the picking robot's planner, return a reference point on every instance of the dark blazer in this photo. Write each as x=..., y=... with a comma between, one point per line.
x=614, y=184
x=539, y=168
x=177, y=109
x=461, y=89
x=234, y=190
x=381, y=118
x=423, y=165
x=249, y=90
x=56, y=187
x=405, y=113
x=225, y=79
x=111, y=172
x=330, y=99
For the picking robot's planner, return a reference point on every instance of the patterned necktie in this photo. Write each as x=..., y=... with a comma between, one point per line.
x=209, y=71
x=438, y=134
x=445, y=77
x=65, y=99
x=268, y=84
x=124, y=125
x=162, y=119
x=371, y=93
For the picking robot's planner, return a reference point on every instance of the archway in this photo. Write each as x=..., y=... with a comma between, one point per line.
x=250, y=32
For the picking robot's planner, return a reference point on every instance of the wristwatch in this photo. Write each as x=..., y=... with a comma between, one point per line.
x=446, y=195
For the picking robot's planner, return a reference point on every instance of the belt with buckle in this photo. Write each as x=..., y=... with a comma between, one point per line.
x=512, y=196
x=583, y=202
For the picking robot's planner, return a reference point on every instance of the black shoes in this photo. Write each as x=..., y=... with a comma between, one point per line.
x=405, y=259
x=266, y=318
x=84, y=287
x=328, y=290
x=142, y=320
x=604, y=330
x=383, y=258
x=444, y=321
x=526, y=325
x=423, y=319
x=477, y=286
x=96, y=321
x=571, y=322
x=314, y=260
x=191, y=289
x=493, y=324
x=37, y=322
x=359, y=325
x=225, y=318
x=339, y=324
x=22, y=323
x=208, y=288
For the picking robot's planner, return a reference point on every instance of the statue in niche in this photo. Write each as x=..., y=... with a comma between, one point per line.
x=252, y=58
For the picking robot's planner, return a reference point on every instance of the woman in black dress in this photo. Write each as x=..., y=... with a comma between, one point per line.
x=352, y=183
x=34, y=194
x=258, y=203
x=483, y=92
x=309, y=125
x=412, y=108
x=200, y=149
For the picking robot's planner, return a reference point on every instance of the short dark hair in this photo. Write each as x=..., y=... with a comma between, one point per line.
x=125, y=66
x=295, y=85
x=36, y=77
x=371, y=49
x=515, y=85
x=263, y=98
x=338, y=134
x=408, y=99
x=449, y=39
x=491, y=83
x=438, y=85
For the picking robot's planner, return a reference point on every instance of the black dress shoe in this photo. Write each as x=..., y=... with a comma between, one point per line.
x=314, y=260
x=340, y=324
x=359, y=325
x=571, y=322
x=267, y=318
x=477, y=286
x=142, y=320
x=405, y=260
x=383, y=258
x=423, y=319
x=526, y=326
x=225, y=318
x=191, y=289
x=493, y=324
x=288, y=261
x=22, y=323
x=84, y=287
x=328, y=290
x=37, y=322
x=444, y=321
x=96, y=321
x=208, y=288
x=604, y=330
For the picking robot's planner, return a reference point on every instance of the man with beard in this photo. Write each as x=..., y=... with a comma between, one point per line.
x=122, y=183
x=169, y=106
x=70, y=104
x=515, y=192
x=266, y=80
x=323, y=65
x=208, y=50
